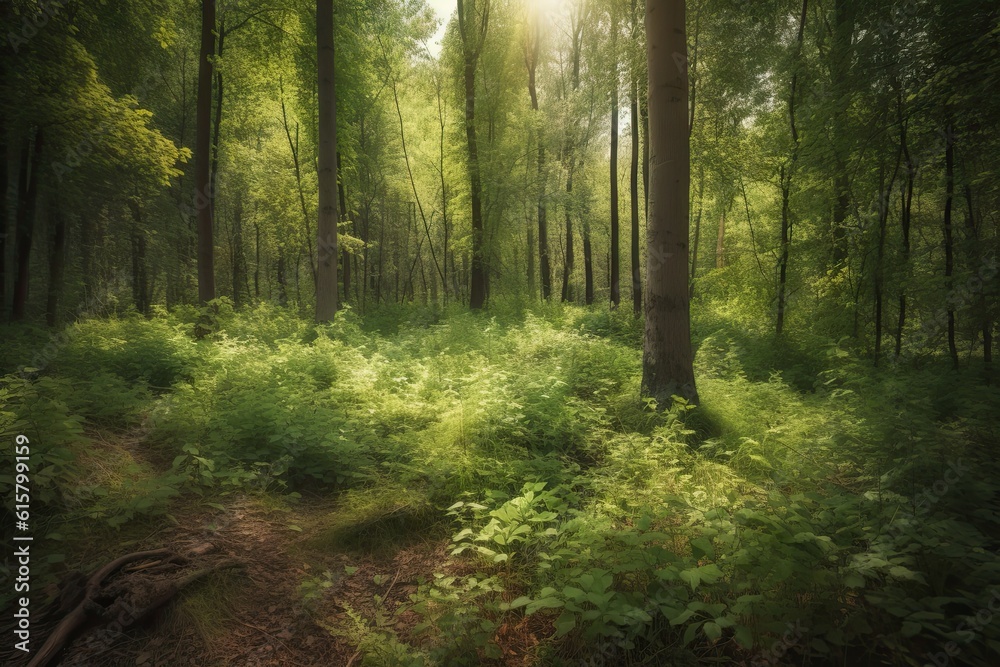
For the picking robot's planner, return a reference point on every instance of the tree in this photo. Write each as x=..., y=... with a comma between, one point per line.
x=326, y=230
x=473, y=38
x=667, y=360
x=203, y=156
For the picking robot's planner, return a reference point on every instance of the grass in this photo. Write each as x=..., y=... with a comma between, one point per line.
x=807, y=486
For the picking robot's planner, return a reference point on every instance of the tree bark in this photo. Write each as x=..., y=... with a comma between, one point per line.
x=786, y=181
x=720, y=240
x=667, y=362
x=470, y=52
x=326, y=229
x=203, y=156
x=634, y=194
x=27, y=205
x=545, y=268
x=949, y=259
x=345, y=256
x=614, y=259
x=57, y=266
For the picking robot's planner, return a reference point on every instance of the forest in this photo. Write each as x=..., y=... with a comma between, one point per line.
x=499, y=332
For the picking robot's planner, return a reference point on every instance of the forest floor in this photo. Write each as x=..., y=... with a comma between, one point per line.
x=421, y=490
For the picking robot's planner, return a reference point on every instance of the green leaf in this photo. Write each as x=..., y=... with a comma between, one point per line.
x=565, y=623
x=543, y=603
x=712, y=630
x=297, y=529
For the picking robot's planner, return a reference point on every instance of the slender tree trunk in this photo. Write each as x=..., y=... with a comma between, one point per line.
x=345, y=256
x=786, y=181
x=840, y=66
x=203, y=155
x=588, y=265
x=697, y=227
x=949, y=261
x=883, y=218
x=786, y=241
x=28, y=203
x=720, y=239
x=217, y=128
x=634, y=194
x=531, y=58
x=667, y=361
x=15, y=158
x=615, y=261
x=57, y=266
x=282, y=280
x=977, y=256
x=239, y=262
x=904, y=222
x=471, y=48
x=140, y=281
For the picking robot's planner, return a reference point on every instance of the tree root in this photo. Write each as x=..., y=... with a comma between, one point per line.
x=128, y=599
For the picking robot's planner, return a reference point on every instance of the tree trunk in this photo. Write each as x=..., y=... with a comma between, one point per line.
x=634, y=194
x=786, y=180
x=203, y=156
x=531, y=61
x=471, y=51
x=697, y=227
x=904, y=222
x=588, y=266
x=140, y=282
x=345, y=256
x=616, y=296
x=239, y=262
x=27, y=205
x=326, y=230
x=840, y=70
x=57, y=266
x=667, y=362
x=720, y=239
x=217, y=127
x=949, y=259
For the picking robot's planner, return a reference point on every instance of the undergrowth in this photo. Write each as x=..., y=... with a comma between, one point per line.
x=811, y=510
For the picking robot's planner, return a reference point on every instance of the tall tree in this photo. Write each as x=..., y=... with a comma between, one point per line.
x=616, y=296
x=667, y=360
x=203, y=155
x=326, y=230
x=634, y=176
x=473, y=36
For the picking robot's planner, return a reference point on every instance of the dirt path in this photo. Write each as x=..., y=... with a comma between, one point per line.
x=259, y=616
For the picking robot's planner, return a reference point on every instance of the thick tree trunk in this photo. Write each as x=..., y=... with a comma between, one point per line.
x=667, y=362
x=203, y=156
x=326, y=230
